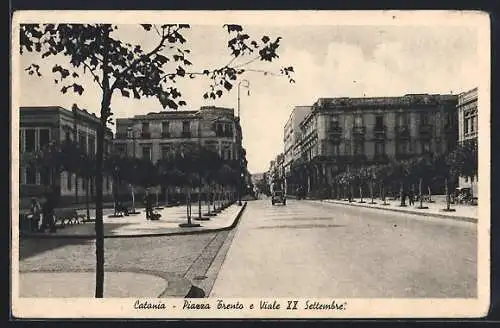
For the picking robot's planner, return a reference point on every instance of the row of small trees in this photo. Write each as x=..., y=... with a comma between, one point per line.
x=186, y=168
x=417, y=174
x=420, y=171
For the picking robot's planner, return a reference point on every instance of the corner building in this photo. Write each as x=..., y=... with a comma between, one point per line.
x=340, y=133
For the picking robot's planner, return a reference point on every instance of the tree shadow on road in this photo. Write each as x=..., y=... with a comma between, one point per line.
x=29, y=247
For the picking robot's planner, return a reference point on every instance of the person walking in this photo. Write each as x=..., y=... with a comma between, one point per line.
x=35, y=214
x=411, y=196
x=48, y=214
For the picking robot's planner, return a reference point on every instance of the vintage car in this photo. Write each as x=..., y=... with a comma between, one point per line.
x=278, y=196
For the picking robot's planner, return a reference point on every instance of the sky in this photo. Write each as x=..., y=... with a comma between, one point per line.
x=329, y=61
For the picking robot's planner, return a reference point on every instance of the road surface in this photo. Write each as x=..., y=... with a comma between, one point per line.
x=312, y=249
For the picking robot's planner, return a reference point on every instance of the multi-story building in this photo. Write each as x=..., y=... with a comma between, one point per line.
x=340, y=133
x=153, y=135
x=467, y=127
x=291, y=135
x=40, y=126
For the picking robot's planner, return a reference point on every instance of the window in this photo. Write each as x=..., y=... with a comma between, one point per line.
x=30, y=175
x=379, y=148
x=402, y=119
x=44, y=137
x=145, y=127
x=69, y=181
x=472, y=124
x=146, y=152
x=165, y=128
x=44, y=176
x=107, y=182
x=186, y=126
x=228, y=130
x=402, y=147
x=29, y=140
x=219, y=129
x=426, y=147
x=82, y=141
x=334, y=122
x=424, y=118
x=165, y=150
x=67, y=136
x=92, y=145
x=121, y=150
x=379, y=121
x=359, y=147
x=358, y=121
x=335, y=149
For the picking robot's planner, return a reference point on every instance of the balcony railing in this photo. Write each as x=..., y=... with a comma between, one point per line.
x=359, y=130
x=381, y=158
x=425, y=130
x=185, y=134
x=146, y=135
x=165, y=135
x=402, y=131
x=121, y=135
x=380, y=132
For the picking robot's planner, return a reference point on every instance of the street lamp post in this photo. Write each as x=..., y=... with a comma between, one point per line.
x=200, y=217
x=131, y=134
x=246, y=84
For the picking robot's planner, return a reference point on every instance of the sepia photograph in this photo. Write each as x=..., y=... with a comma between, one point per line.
x=237, y=164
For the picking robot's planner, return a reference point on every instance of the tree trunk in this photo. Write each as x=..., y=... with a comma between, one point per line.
x=361, y=193
x=447, y=192
x=76, y=188
x=371, y=192
x=401, y=194
x=99, y=225
x=420, y=193
x=430, y=194
x=199, y=202
x=188, y=205
x=133, y=199
x=166, y=196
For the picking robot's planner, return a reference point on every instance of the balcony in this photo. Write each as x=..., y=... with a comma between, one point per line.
x=185, y=134
x=359, y=131
x=402, y=132
x=425, y=130
x=379, y=132
x=381, y=158
x=165, y=135
x=121, y=135
x=146, y=135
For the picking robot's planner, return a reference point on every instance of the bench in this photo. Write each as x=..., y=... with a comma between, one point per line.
x=121, y=209
x=67, y=217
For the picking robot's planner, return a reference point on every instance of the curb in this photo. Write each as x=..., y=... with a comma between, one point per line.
x=442, y=216
x=175, y=233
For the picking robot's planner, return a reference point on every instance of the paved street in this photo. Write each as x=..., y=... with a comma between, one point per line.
x=331, y=250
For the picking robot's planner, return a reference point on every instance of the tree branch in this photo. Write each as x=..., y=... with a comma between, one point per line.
x=149, y=54
x=96, y=78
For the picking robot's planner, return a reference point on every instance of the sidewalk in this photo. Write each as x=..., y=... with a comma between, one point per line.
x=435, y=209
x=82, y=284
x=138, y=226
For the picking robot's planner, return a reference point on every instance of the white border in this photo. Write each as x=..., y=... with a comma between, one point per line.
x=356, y=308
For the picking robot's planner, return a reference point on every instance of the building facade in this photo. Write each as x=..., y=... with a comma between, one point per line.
x=291, y=135
x=153, y=135
x=340, y=133
x=40, y=126
x=467, y=110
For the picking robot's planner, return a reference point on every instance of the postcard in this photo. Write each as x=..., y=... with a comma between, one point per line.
x=250, y=164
